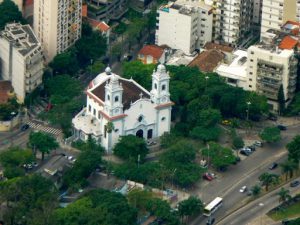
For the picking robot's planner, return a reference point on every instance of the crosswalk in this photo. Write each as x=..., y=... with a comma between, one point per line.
x=40, y=127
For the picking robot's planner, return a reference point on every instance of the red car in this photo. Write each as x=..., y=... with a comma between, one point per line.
x=208, y=176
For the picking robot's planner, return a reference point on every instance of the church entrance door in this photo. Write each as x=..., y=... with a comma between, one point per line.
x=140, y=133
x=150, y=134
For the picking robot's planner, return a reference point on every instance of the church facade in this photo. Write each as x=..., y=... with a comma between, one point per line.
x=118, y=107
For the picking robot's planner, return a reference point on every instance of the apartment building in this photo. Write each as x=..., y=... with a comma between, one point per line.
x=21, y=59
x=269, y=67
x=105, y=10
x=276, y=13
x=257, y=10
x=184, y=25
x=232, y=20
x=57, y=24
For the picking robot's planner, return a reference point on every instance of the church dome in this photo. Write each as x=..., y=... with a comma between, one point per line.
x=108, y=70
x=161, y=68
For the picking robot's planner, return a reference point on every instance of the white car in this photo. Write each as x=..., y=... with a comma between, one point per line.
x=70, y=157
x=243, y=189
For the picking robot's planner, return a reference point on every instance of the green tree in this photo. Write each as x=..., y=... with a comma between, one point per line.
x=85, y=164
x=139, y=72
x=270, y=134
x=190, y=207
x=268, y=179
x=96, y=68
x=219, y=156
x=65, y=63
x=138, y=199
x=256, y=190
x=90, y=47
x=284, y=195
x=281, y=100
x=237, y=142
x=97, y=207
x=206, y=134
x=12, y=13
x=294, y=149
x=30, y=200
x=131, y=148
x=288, y=167
x=42, y=142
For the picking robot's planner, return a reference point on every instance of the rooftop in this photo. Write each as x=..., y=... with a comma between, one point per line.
x=179, y=58
x=102, y=26
x=237, y=69
x=22, y=37
x=132, y=91
x=288, y=42
x=223, y=48
x=153, y=50
x=207, y=61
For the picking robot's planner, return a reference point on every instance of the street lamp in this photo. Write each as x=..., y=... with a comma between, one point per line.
x=173, y=174
x=206, y=78
x=248, y=107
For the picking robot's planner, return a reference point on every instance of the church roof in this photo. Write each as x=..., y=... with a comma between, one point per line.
x=132, y=91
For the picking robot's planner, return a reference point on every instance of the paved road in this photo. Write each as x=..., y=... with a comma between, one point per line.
x=256, y=208
x=245, y=173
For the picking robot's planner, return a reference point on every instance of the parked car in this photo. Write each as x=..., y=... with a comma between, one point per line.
x=210, y=221
x=208, y=176
x=294, y=183
x=258, y=143
x=252, y=148
x=281, y=127
x=249, y=193
x=246, y=153
x=35, y=164
x=243, y=189
x=24, y=127
x=149, y=143
x=272, y=117
x=273, y=166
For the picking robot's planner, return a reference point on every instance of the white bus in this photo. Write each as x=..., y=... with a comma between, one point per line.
x=213, y=206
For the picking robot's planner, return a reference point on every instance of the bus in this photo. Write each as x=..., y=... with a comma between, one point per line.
x=213, y=206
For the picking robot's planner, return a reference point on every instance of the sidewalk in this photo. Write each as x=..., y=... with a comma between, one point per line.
x=264, y=220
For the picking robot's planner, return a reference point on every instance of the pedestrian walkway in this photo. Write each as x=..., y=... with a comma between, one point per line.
x=40, y=127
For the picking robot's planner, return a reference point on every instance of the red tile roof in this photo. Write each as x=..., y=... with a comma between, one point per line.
x=102, y=26
x=131, y=92
x=153, y=50
x=288, y=43
x=207, y=61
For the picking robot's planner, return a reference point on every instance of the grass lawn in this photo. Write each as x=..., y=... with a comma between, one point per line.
x=290, y=212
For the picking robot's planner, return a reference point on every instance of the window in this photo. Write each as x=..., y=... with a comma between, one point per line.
x=94, y=112
x=155, y=86
x=90, y=108
x=250, y=86
x=163, y=119
x=116, y=130
x=163, y=87
x=140, y=118
x=99, y=115
x=108, y=97
x=116, y=98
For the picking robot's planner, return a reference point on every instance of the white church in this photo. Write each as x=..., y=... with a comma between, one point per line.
x=126, y=107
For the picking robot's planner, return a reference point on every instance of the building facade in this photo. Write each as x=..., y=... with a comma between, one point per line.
x=270, y=67
x=276, y=13
x=57, y=24
x=106, y=10
x=232, y=20
x=21, y=59
x=126, y=106
x=184, y=25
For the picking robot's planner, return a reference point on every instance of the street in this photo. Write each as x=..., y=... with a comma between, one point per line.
x=244, y=173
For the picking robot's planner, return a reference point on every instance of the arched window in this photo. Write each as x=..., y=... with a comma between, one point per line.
x=163, y=87
x=155, y=86
x=116, y=98
x=163, y=119
x=140, y=118
x=108, y=97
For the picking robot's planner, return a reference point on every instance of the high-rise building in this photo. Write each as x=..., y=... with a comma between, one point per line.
x=232, y=20
x=276, y=13
x=21, y=59
x=184, y=25
x=57, y=24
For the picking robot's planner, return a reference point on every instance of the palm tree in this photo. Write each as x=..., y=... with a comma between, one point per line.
x=288, y=168
x=268, y=179
x=284, y=195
